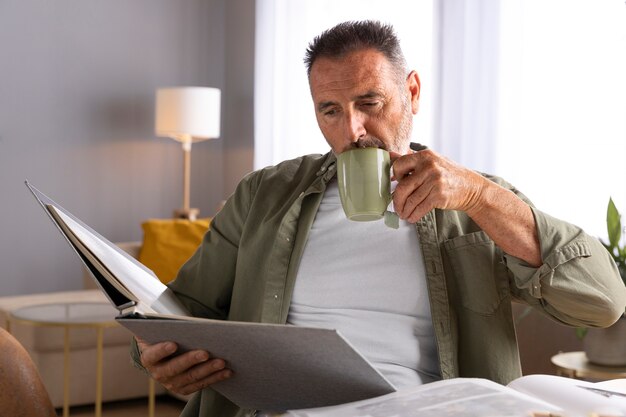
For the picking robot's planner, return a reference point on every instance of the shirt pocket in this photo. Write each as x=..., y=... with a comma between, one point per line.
x=479, y=273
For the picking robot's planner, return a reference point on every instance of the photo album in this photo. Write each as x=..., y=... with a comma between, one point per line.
x=275, y=366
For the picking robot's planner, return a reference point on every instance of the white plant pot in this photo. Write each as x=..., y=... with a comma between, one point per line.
x=607, y=346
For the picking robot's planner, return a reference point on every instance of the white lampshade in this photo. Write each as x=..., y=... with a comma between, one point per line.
x=188, y=114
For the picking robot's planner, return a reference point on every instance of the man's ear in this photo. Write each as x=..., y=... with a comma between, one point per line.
x=413, y=84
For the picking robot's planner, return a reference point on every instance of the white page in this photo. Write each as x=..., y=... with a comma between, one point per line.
x=577, y=398
x=460, y=397
x=614, y=385
x=143, y=285
x=139, y=282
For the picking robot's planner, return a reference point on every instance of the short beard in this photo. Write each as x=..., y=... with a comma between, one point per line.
x=403, y=137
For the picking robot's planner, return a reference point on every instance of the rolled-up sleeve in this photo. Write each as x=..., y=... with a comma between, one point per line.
x=578, y=282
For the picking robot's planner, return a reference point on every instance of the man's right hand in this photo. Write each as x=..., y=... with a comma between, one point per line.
x=183, y=374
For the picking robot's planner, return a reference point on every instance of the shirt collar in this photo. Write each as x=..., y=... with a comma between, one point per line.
x=328, y=168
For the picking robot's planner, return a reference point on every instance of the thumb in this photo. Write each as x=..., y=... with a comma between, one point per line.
x=393, y=156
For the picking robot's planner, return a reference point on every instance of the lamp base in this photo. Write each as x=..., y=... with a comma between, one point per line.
x=187, y=214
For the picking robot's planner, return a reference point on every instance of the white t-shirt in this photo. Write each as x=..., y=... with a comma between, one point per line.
x=369, y=282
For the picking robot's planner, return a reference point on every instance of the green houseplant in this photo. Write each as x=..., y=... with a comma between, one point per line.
x=617, y=242
x=616, y=246
x=605, y=346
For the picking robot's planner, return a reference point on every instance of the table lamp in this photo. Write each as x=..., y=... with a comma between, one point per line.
x=187, y=115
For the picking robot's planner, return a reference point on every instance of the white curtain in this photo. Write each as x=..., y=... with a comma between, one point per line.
x=562, y=112
x=531, y=90
x=285, y=125
x=467, y=62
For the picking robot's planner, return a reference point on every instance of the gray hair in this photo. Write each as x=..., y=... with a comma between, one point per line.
x=353, y=36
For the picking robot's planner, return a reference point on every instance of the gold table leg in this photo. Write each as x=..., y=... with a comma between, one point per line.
x=99, y=348
x=66, y=372
x=151, y=395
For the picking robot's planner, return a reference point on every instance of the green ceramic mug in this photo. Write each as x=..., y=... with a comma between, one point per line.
x=364, y=183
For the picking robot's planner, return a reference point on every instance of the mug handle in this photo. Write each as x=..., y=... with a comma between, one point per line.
x=417, y=146
x=391, y=218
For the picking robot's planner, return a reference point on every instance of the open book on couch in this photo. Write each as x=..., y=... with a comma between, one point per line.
x=528, y=396
x=275, y=366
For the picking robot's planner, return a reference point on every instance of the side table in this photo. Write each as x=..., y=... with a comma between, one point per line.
x=71, y=315
x=576, y=365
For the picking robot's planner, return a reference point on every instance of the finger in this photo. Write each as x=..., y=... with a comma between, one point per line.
x=141, y=345
x=414, y=205
x=406, y=187
x=405, y=165
x=413, y=215
x=153, y=354
x=200, y=376
x=206, y=382
x=394, y=155
x=178, y=365
x=400, y=168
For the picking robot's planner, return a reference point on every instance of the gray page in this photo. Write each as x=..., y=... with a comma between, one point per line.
x=275, y=367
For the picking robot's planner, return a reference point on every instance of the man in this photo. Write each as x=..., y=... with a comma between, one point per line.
x=431, y=300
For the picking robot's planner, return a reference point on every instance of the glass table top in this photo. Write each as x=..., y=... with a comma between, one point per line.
x=68, y=313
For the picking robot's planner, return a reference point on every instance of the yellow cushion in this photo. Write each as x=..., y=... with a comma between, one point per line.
x=167, y=244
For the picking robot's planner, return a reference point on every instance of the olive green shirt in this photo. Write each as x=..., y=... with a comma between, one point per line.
x=247, y=264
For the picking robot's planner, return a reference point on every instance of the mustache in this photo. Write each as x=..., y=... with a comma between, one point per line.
x=369, y=142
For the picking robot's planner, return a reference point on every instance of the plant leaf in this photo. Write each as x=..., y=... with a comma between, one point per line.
x=581, y=332
x=613, y=224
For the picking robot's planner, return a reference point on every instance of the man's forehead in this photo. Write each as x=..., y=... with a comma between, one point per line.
x=359, y=70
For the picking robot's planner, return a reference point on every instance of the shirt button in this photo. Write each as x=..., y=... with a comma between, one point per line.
x=287, y=239
x=275, y=296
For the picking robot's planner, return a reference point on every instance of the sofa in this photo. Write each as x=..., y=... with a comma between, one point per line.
x=121, y=380
x=167, y=243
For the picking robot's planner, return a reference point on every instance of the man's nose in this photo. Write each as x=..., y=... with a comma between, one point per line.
x=355, y=126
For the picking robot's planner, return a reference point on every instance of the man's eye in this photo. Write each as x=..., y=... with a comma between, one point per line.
x=370, y=103
x=330, y=112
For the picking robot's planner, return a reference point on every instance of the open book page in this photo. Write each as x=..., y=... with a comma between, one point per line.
x=617, y=386
x=64, y=223
x=126, y=276
x=577, y=398
x=450, y=398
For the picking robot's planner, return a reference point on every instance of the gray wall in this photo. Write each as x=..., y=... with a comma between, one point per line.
x=77, y=82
